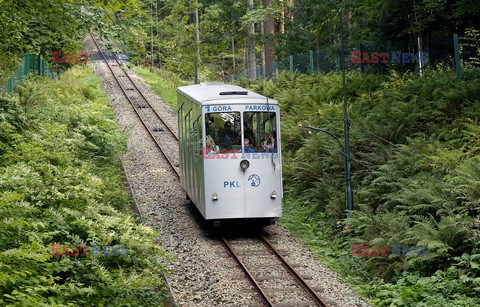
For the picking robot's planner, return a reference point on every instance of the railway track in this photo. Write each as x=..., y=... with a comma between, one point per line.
x=158, y=130
x=266, y=269
x=249, y=261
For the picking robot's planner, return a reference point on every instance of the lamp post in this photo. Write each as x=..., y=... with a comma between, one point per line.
x=326, y=132
x=151, y=32
x=346, y=124
x=343, y=152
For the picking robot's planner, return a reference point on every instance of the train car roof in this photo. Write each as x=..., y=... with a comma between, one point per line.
x=217, y=92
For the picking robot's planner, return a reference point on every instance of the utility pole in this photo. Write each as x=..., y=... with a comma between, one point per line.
x=158, y=40
x=151, y=46
x=196, y=38
x=346, y=123
x=233, y=53
x=252, y=65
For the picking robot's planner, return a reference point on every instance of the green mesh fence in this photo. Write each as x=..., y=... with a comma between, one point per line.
x=383, y=57
x=31, y=63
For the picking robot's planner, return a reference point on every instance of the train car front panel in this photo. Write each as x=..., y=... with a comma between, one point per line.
x=230, y=191
x=230, y=152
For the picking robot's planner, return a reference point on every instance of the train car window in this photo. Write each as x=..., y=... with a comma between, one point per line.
x=197, y=127
x=260, y=129
x=225, y=130
x=194, y=139
x=180, y=122
x=188, y=132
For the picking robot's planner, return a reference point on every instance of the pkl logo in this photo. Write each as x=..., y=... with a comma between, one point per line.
x=254, y=180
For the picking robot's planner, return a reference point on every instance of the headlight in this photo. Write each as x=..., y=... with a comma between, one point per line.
x=273, y=195
x=244, y=164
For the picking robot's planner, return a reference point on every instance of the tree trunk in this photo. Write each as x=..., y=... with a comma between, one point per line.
x=282, y=18
x=269, y=29
x=262, y=32
x=197, y=32
x=233, y=55
x=252, y=65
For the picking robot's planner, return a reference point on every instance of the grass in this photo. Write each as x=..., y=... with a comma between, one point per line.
x=163, y=83
x=315, y=229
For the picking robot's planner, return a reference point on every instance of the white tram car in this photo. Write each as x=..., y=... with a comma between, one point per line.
x=225, y=179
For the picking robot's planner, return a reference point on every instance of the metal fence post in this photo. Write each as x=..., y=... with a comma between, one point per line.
x=27, y=64
x=362, y=68
x=19, y=74
x=312, y=68
x=38, y=64
x=389, y=50
x=290, y=58
x=457, y=56
x=420, y=52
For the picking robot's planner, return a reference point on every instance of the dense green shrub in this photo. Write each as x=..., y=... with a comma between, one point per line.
x=415, y=167
x=61, y=183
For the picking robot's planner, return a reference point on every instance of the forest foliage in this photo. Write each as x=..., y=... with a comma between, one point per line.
x=62, y=183
x=299, y=26
x=40, y=27
x=163, y=30
x=415, y=146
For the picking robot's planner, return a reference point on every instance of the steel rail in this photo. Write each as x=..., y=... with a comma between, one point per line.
x=172, y=165
x=259, y=289
x=144, y=98
x=318, y=300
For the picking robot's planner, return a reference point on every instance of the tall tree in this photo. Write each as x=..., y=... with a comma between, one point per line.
x=269, y=31
x=252, y=63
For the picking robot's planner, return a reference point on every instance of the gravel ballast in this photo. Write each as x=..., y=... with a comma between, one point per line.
x=202, y=274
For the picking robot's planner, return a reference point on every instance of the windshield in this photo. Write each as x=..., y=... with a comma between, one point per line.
x=259, y=129
x=222, y=132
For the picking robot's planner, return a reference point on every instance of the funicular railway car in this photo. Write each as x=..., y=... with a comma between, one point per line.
x=230, y=152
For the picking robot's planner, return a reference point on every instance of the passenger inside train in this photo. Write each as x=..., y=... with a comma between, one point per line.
x=246, y=146
x=225, y=130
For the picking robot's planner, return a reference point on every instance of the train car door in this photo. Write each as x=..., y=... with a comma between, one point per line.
x=223, y=176
x=263, y=178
